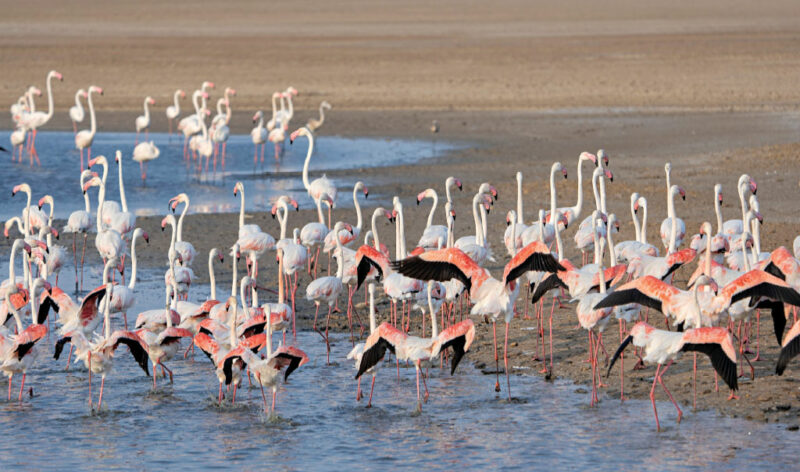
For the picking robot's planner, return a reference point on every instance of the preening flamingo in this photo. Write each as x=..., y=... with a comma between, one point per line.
x=76, y=112
x=184, y=248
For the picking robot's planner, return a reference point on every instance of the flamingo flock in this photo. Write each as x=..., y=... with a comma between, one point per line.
x=713, y=315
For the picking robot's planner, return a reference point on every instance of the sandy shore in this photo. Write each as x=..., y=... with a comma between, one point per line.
x=523, y=84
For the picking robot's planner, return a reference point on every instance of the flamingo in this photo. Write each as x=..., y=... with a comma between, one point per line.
x=271, y=123
x=109, y=242
x=184, y=248
x=276, y=136
x=123, y=221
x=662, y=347
x=203, y=145
x=418, y=350
x=32, y=217
x=143, y=153
x=17, y=352
x=190, y=125
x=319, y=186
x=175, y=109
x=327, y=289
x=76, y=112
x=357, y=353
x=143, y=121
x=80, y=221
x=476, y=246
x=17, y=138
x=313, y=124
x=745, y=184
x=220, y=130
x=98, y=356
x=122, y=297
x=56, y=255
x=181, y=275
x=346, y=237
x=627, y=250
x=490, y=297
x=84, y=138
x=216, y=346
x=584, y=239
x=313, y=234
x=36, y=119
x=110, y=207
x=163, y=346
x=573, y=213
x=259, y=136
x=666, y=225
x=251, y=239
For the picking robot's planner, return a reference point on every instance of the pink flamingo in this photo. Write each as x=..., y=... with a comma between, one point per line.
x=84, y=138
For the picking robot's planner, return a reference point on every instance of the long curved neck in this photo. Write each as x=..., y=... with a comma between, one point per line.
x=49, y=96
x=274, y=107
x=484, y=228
x=132, y=283
x=718, y=211
x=597, y=256
x=227, y=112
x=101, y=197
x=359, y=218
x=86, y=203
x=196, y=102
x=671, y=206
x=612, y=253
x=707, y=261
x=340, y=258
x=372, y=322
x=476, y=217
x=320, y=215
x=78, y=99
x=376, y=241
x=756, y=239
x=233, y=282
x=669, y=188
x=180, y=220
x=434, y=326
x=283, y=215
x=11, y=275
x=146, y=110
x=50, y=223
x=636, y=226
x=27, y=222
x=744, y=206
x=553, y=201
x=644, y=224
x=596, y=192
x=401, y=222
x=559, y=243
x=519, y=201
x=241, y=212
x=122, y=199
x=211, y=278
x=91, y=114
x=176, y=103
x=172, y=238
x=514, y=235
x=576, y=210
x=432, y=213
x=289, y=106
x=306, y=183
x=281, y=295
x=602, y=185
x=745, y=260
x=674, y=229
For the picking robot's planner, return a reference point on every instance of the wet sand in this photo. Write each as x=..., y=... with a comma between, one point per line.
x=705, y=88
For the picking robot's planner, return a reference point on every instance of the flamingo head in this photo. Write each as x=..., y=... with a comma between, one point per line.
x=208, y=84
x=169, y=219
x=54, y=232
x=146, y=237
x=603, y=156
x=180, y=198
x=510, y=217
x=84, y=94
x=487, y=202
x=758, y=216
x=458, y=184
x=682, y=193
x=427, y=193
x=207, y=112
x=257, y=116
x=563, y=219
x=588, y=156
x=99, y=160
x=299, y=132
x=705, y=228
x=389, y=215
x=95, y=88
x=277, y=95
x=151, y=101
x=230, y=91
x=93, y=182
x=57, y=75
x=21, y=188
x=609, y=174
x=290, y=91
x=204, y=95
x=182, y=93
x=239, y=187
x=274, y=210
x=719, y=197
x=44, y=200
x=36, y=91
x=753, y=186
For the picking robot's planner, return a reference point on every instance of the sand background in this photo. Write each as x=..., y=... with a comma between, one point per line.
x=710, y=86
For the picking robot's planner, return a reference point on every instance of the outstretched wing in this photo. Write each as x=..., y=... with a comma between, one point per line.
x=677, y=259
x=535, y=256
x=459, y=337
x=441, y=265
x=646, y=291
x=618, y=352
x=758, y=283
x=366, y=257
x=292, y=357
x=548, y=283
x=790, y=349
x=725, y=367
x=135, y=344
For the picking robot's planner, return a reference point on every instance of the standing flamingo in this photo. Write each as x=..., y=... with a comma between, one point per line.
x=322, y=185
x=175, y=109
x=37, y=119
x=84, y=138
x=251, y=239
x=76, y=112
x=314, y=124
x=259, y=136
x=122, y=297
x=666, y=225
x=16, y=352
x=81, y=221
x=143, y=121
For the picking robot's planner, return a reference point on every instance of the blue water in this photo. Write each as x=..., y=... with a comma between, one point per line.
x=209, y=192
x=319, y=426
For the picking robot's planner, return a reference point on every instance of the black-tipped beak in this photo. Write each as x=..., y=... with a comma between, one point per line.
x=291, y=141
x=683, y=197
x=366, y=194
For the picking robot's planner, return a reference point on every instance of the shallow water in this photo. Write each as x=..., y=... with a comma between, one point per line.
x=320, y=426
x=212, y=192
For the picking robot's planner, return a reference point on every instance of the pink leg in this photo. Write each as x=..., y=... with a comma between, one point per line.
x=327, y=340
x=419, y=400
x=264, y=398
x=262, y=152
x=661, y=381
x=220, y=393
x=496, y=360
x=224, y=146
x=371, y=389
x=90, y=380
x=100, y=400
x=653, y=397
x=21, y=387
x=505, y=363
x=274, y=396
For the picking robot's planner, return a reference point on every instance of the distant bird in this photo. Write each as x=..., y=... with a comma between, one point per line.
x=76, y=112
x=143, y=121
x=314, y=124
x=175, y=109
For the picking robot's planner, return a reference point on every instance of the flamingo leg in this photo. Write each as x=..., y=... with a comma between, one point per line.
x=371, y=389
x=21, y=387
x=83, y=255
x=9, y=387
x=653, y=397
x=263, y=398
x=90, y=380
x=505, y=363
x=327, y=340
x=274, y=397
x=100, y=400
x=220, y=394
x=425, y=385
x=496, y=362
x=661, y=381
x=419, y=401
